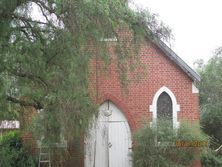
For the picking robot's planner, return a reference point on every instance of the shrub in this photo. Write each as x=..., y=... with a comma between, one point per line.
x=163, y=146
x=13, y=152
x=210, y=159
x=211, y=123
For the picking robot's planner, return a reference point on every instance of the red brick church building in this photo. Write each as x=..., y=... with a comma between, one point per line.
x=169, y=82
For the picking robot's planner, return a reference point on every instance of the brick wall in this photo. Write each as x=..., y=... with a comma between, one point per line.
x=160, y=71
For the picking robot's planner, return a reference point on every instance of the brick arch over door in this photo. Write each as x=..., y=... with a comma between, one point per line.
x=122, y=106
x=175, y=106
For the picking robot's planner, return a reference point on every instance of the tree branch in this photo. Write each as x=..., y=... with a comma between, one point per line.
x=31, y=77
x=219, y=150
x=28, y=20
x=26, y=34
x=25, y=103
x=43, y=4
x=42, y=10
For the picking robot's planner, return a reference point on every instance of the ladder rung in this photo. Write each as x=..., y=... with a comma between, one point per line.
x=46, y=161
x=44, y=156
x=44, y=146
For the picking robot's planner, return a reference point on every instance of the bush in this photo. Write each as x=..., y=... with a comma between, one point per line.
x=162, y=146
x=211, y=123
x=211, y=159
x=13, y=153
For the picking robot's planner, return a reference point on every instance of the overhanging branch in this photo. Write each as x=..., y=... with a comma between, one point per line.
x=24, y=103
x=31, y=77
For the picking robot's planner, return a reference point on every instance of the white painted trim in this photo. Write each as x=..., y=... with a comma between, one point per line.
x=175, y=106
x=194, y=89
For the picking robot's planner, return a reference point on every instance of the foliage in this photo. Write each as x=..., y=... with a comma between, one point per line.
x=211, y=119
x=13, y=152
x=162, y=147
x=210, y=159
x=45, y=60
x=210, y=98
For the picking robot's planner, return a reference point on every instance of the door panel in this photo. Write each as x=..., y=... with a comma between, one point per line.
x=101, y=159
x=118, y=145
x=111, y=138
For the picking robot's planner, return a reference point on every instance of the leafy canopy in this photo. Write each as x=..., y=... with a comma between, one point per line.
x=45, y=60
x=210, y=98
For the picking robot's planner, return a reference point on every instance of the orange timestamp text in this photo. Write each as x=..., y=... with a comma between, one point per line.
x=192, y=143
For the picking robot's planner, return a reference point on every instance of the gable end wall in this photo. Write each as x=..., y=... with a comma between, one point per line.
x=161, y=71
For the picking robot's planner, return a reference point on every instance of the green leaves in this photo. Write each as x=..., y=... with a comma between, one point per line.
x=210, y=98
x=161, y=146
x=13, y=152
x=45, y=63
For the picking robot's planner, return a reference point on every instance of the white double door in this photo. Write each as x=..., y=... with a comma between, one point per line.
x=109, y=143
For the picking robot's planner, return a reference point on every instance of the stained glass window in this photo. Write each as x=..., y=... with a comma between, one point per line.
x=164, y=107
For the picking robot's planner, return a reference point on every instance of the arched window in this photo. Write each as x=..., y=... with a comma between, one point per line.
x=165, y=106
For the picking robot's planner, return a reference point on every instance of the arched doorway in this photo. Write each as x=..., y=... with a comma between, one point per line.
x=109, y=142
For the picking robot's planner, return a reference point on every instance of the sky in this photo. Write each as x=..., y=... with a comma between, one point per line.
x=195, y=24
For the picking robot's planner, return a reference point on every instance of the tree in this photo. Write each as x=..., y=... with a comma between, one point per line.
x=210, y=98
x=45, y=61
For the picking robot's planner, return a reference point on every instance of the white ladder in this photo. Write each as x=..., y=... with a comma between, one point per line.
x=44, y=157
